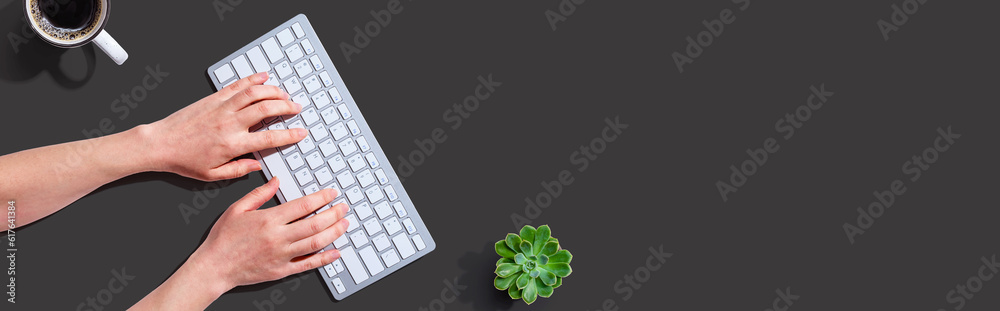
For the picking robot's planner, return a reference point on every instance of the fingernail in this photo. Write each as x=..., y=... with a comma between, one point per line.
x=297, y=104
x=345, y=209
x=255, y=166
x=301, y=132
x=289, y=96
x=262, y=76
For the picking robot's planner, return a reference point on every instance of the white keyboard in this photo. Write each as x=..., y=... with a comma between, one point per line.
x=385, y=233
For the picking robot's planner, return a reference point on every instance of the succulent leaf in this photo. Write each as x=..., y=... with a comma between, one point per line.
x=504, y=283
x=520, y=259
x=530, y=293
x=528, y=233
x=507, y=269
x=542, y=259
x=514, y=292
x=504, y=260
x=561, y=256
x=541, y=237
x=526, y=248
x=534, y=273
x=513, y=240
x=523, y=280
x=550, y=248
x=503, y=250
x=547, y=277
x=553, y=240
x=558, y=283
x=544, y=290
x=561, y=269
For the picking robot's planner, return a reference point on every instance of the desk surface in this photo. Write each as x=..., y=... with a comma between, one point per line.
x=656, y=185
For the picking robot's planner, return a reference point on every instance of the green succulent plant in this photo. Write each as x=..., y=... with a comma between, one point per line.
x=532, y=264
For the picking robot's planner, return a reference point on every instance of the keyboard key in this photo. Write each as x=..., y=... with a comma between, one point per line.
x=371, y=260
x=327, y=146
x=224, y=73
x=242, y=67
x=276, y=165
x=365, y=178
x=272, y=50
x=359, y=238
x=392, y=225
x=295, y=161
x=309, y=115
x=272, y=79
x=338, y=130
x=356, y=162
x=390, y=258
x=345, y=179
x=354, y=195
x=256, y=56
x=372, y=161
x=419, y=242
x=323, y=176
x=335, y=95
x=307, y=46
x=337, y=163
x=292, y=85
x=329, y=115
x=283, y=70
x=303, y=68
x=399, y=209
x=306, y=144
x=382, y=210
x=310, y=189
x=317, y=64
x=347, y=146
x=315, y=160
x=338, y=265
x=338, y=285
x=298, y=30
x=372, y=226
x=303, y=177
x=353, y=223
x=312, y=84
x=374, y=194
x=353, y=265
x=320, y=99
x=381, y=242
x=296, y=124
x=353, y=126
x=325, y=77
x=344, y=112
x=380, y=175
x=403, y=246
x=363, y=143
x=390, y=193
x=285, y=37
x=363, y=210
x=330, y=271
x=408, y=224
x=303, y=99
x=294, y=53
x=319, y=132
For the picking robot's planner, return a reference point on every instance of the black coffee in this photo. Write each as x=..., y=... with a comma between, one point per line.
x=69, y=14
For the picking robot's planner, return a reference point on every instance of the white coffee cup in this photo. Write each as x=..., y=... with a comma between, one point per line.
x=92, y=31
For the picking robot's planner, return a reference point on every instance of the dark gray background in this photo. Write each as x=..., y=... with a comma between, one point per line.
x=654, y=186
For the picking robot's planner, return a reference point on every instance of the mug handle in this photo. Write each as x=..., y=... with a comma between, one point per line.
x=111, y=47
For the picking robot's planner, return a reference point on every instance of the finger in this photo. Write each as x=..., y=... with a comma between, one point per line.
x=253, y=94
x=310, y=262
x=319, y=240
x=273, y=138
x=233, y=169
x=301, y=207
x=257, y=197
x=266, y=109
x=313, y=225
x=242, y=84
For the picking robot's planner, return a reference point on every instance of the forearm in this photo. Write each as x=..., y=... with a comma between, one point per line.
x=44, y=180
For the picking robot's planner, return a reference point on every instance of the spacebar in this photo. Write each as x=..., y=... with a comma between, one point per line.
x=276, y=165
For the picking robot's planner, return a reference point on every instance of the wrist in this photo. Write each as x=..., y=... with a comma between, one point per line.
x=150, y=155
x=213, y=278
